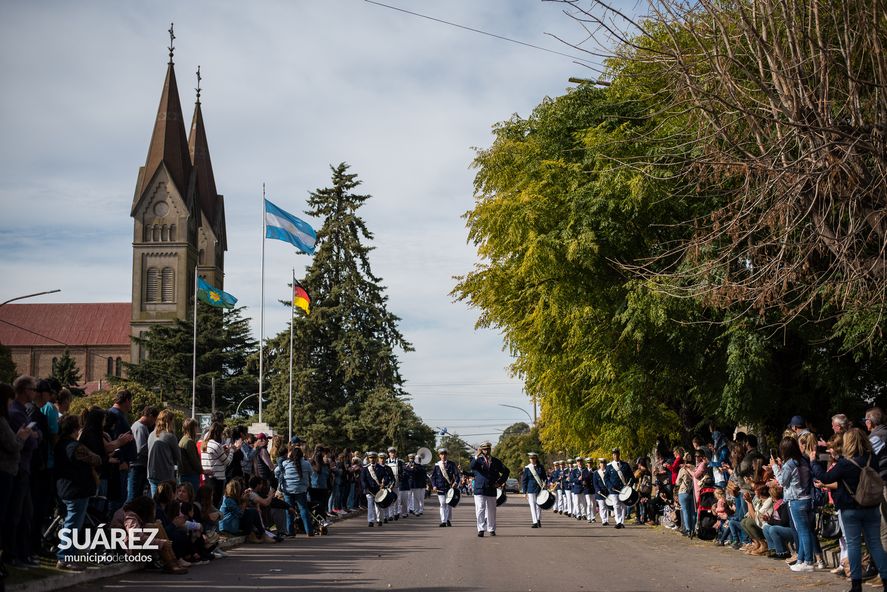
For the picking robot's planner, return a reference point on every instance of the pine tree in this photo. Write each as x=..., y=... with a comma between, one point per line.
x=65, y=370
x=225, y=351
x=7, y=366
x=348, y=388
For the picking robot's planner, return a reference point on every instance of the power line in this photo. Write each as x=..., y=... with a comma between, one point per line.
x=473, y=30
x=74, y=347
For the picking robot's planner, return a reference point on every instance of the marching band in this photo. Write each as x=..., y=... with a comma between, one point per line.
x=574, y=488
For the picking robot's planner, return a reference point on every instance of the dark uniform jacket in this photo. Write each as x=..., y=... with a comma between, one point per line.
x=528, y=482
x=488, y=475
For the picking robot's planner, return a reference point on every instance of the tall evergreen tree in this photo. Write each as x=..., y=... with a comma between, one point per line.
x=65, y=370
x=7, y=366
x=225, y=351
x=348, y=388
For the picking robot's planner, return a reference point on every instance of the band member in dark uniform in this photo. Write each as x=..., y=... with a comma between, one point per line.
x=532, y=483
x=444, y=477
x=588, y=488
x=489, y=473
x=618, y=475
x=372, y=478
x=600, y=491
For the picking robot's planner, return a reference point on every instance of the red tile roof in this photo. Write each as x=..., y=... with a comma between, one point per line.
x=70, y=324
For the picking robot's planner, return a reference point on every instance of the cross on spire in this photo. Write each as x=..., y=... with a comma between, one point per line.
x=172, y=37
x=199, y=78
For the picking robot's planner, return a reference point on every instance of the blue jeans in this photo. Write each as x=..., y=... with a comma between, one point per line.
x=154, y=483
x=688, y=511
x=778, y=537
x=736, y=533
x=75, y=514
x=300, y=501
x=352, y=498
x=858, y=523
x=138, y=477
x=801, y=511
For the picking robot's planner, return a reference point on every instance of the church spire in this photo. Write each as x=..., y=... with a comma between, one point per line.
x=169, y=144
x=198, y=148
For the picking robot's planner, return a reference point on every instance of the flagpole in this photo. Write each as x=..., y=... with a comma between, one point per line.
x=194, y=353
x=292, y=318
x=262, y=309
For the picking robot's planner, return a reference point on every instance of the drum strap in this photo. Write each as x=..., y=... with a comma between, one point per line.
x=443, y=471
x=373, y=474
x=532, y=468
x=619, y=472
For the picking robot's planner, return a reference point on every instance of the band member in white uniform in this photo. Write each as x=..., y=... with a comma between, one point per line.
x=395, y=468
x=588, y=488
x=444, y=477
x=532, y=483
x=489, y=474
x=618, y=474
x=579, y=510
x=558, y=493
x=418, y=479
x=600, y=491
x=566, y=487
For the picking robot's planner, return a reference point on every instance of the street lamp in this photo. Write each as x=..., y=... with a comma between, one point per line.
x=236, y=411
x=519, y=409
x=28, y=296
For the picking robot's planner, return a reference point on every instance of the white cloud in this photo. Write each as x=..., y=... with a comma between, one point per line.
x=289, y=88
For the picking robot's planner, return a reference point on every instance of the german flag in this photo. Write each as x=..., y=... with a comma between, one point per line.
x=301, y=297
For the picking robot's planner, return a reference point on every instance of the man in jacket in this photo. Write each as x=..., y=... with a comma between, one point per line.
x=618, y=474
x=489, y=474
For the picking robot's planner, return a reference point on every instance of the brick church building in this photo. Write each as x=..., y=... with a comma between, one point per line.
x=178, y=226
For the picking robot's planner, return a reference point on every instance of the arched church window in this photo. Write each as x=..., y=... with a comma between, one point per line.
x=155, y=233
x=172, y=232
x=164, y=233
x=168, y=282
x=152, y=285
x=118, y=366
x=110, y=367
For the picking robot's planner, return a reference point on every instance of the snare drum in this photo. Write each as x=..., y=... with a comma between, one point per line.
x=629, y=495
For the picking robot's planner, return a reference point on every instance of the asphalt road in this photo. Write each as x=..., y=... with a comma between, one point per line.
x=415, y=554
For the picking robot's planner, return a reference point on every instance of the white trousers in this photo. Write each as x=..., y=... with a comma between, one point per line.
x=373, y=514
x=534, y=509
x=589, y=506
x=558, y=500
x=618, y=508
x=579, y=510
x=604, y=511
x=391, y=511
x=485, y=511
x=568, y=503
x=417, y=500
x=446, y=510
x=403, y=500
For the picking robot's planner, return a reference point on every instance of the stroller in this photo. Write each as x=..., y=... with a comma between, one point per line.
x=705, y=517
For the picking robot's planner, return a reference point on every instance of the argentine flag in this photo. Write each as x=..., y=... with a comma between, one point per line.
x=282, y=225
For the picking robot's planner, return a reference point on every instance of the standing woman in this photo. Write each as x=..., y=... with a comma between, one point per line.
x=75, y=479
x=532, y=481
x=189, y=468
x=294, y=478
x=857, y=521
x=319, y=489
x=214, y=459
x=792, y=471
x=163, y=451
x=686, y=497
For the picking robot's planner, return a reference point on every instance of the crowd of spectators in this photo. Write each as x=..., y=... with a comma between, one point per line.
x=102, y=466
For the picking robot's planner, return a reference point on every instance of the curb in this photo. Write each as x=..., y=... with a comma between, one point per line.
x=67, y=579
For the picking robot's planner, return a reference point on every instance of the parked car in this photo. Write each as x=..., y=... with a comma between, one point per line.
x=512, y=486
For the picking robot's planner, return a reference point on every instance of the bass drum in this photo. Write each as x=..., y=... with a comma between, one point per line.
x=501, y=498
x=629, y=495
x=545, y=499
x=453, y=497
x=385, y=497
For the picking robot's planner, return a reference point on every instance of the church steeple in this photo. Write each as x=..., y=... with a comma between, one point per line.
x=169, y=144
x=198, y=147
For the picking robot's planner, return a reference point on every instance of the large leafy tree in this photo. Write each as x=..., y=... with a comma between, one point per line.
x=348, y=388
x=516, y=441
x=225, y=351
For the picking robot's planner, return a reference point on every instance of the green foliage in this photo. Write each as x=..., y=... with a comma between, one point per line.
x=348, y=390
x=65, y=370
x=458, y=450
x=7, y=366
x=514, y=444
x=225, y=351
x=141, y=398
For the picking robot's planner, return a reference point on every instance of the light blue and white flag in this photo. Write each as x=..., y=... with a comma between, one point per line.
x=282, y=225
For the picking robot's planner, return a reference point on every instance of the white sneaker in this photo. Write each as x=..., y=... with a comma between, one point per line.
x=820, y=565
x=802, y=567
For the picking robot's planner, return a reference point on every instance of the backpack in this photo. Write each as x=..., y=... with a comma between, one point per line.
x=870, y=491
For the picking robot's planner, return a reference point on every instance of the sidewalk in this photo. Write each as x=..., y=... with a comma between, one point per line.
x=46, y=579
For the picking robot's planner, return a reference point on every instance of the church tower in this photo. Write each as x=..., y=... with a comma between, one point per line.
x=179, y=219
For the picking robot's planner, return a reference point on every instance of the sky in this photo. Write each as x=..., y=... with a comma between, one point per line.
x=289, y=88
